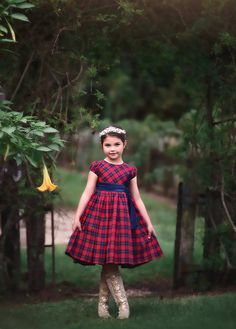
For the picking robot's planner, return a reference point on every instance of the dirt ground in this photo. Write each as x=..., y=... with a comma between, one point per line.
x=67, y=290
x=62, y=223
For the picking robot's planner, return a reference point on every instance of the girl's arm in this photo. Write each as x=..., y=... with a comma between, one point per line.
x=139, y=202
x=85, y=197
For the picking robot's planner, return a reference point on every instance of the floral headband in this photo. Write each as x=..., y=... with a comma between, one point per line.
x=112, y=129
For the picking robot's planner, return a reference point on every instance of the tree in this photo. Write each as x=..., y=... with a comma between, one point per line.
x=25, y=141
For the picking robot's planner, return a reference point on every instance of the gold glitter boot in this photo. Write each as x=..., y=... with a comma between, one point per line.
x=103, y=298
x=116, y=286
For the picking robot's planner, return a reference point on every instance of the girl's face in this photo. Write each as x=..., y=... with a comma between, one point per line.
x=113, y=148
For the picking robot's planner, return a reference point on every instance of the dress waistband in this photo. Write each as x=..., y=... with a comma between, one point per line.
x=121, y=188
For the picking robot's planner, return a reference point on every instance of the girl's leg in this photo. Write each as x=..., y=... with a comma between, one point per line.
x=103, y=297
x=116, y=286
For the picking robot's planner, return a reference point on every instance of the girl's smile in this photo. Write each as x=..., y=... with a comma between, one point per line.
x=113, y=148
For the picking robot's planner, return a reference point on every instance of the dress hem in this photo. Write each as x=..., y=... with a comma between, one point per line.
x=123, y=265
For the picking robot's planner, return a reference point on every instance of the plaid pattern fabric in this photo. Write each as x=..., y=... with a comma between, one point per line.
x=106, y=235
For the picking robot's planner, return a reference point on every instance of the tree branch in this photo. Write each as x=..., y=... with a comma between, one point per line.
x=57, y=37
x=229, y=265
x=69, y=82
x=224, y=204
x=179, y=14
x=223, y=121
x=23, y=75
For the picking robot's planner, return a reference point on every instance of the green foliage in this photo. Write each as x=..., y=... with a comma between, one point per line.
x=9, y=11
x=25, y=138
x=124, y=61
x=209, y=150
x=205, y=146
x=129, y=10
x=128, y=53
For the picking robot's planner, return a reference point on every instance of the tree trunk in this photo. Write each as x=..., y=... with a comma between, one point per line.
x=35, y=225
x=3, y=271
x=9, y=224
x=211, y=244
x=11, y=247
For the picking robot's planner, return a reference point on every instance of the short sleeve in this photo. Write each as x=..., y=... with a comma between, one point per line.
x=134, y=172
x=94, y=167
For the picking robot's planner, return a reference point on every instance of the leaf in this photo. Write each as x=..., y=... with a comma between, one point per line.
x=25, y=5
x=19, y=115
x=8, y=130
x=26, y=118
x=54, y=147
x=100, y=96
x=58, y=141
x=3, y=29
x=38, y=124
x=92, y=71
x=50, y=130
x=6, y=102
x=11, y=30
x=6, y=40
x=16, y=1
x=37, y=133
x=18, y=160
x=43, y=149
x=31, y=161
x=20, y=17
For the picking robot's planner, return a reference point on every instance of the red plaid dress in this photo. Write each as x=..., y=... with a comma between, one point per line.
x=106, y=235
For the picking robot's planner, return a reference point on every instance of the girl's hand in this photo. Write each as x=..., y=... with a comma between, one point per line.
x=150, y=230
x=76, y=224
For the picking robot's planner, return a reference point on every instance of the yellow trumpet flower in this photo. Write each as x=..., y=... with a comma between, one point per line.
x=47, y=183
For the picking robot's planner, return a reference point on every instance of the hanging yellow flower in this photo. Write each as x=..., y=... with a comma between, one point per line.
x=47, y=183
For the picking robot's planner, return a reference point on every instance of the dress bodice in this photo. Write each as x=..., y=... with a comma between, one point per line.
x=113, y=173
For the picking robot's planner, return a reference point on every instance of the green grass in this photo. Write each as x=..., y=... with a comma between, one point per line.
x=71, y=185
x=203, y=312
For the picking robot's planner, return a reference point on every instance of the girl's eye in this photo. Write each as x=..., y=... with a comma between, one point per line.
x=116, y=144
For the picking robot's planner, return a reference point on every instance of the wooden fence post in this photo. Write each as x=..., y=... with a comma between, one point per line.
x=176, y=273
x=184, y=238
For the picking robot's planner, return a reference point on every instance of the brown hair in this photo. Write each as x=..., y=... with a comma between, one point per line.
x=113, y=133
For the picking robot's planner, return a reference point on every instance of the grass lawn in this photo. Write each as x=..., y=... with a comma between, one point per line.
x=205, y=312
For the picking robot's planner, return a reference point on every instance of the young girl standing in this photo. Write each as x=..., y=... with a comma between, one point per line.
x=111, y=225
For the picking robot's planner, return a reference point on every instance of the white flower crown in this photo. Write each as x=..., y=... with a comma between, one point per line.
x=112, y=129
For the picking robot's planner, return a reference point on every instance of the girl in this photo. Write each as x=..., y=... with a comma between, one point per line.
x=111, y=225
